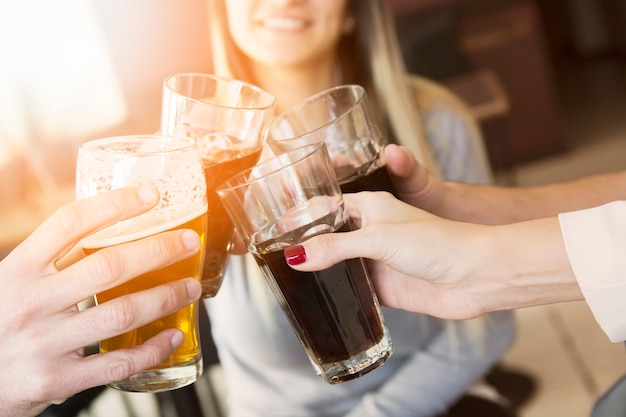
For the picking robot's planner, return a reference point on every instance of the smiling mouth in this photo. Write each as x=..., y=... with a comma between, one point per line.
x=283, y=23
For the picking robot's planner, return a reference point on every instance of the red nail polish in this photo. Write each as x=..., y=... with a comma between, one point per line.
x=295, y=255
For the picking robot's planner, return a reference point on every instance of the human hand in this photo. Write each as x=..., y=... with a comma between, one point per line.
x=419, y=262
x=42, y=332
x=454, y=270
x=414, y=183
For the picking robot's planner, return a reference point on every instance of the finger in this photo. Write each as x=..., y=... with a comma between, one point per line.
x=412, y=181
x=366, y=210
x=323, y=251
x=353, y=202
x=60, y=232
x=400, y=160
x=72, y=256
x=368, y=207
x=96, y=370
x=112, y=266
x=394, y=292
x=125, y=313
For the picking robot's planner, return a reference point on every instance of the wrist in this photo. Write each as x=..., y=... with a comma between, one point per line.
x=522, y=265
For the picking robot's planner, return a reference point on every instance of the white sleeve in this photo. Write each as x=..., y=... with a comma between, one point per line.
x=595, y=240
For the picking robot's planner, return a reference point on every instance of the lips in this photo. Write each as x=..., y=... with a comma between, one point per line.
x=283, y=23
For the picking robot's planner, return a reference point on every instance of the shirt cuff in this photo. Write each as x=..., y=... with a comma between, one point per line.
x=595, y=241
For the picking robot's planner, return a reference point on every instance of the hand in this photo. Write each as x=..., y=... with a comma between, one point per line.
x=42, y=332
x=454, y=270
x=416, y=186
x=403, y=243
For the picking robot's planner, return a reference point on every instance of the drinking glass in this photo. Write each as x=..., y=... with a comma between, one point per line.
x=338, y=117
x=173, y=166
x=335, y=313
x=228, y=118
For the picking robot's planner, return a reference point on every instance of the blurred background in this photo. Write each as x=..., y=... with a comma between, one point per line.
x=545, y=79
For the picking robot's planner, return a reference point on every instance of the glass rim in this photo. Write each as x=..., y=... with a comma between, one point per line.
x=271, y=99
x=187, y=143
x=242, y=178
x=352, y=87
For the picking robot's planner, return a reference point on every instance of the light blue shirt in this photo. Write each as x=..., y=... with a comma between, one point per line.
x=268, y=374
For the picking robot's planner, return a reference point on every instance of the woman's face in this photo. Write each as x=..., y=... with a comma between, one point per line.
x=286, y=32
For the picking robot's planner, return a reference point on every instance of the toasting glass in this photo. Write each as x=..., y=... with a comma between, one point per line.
x=338, y=117
x=173, y=166
x=228, y=118
x=281, y=202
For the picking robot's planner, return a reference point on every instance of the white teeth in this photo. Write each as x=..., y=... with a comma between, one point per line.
x=283, y=23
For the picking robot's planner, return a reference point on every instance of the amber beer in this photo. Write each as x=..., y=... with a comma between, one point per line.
x=218, y=167
x=188, y=355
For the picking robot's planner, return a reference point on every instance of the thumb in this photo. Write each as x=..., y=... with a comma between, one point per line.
x=401, y=161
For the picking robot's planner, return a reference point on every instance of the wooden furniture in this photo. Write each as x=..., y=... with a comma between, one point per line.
x=510, y=41
x=505, y=38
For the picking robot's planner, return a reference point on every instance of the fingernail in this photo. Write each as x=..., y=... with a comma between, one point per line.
x=191, y=240
x=295, y=255
x=177, y=339
x=148, y=194
x=194, y=289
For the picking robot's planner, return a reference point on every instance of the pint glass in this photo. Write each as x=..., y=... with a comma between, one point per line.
x=228, y=118
x=335, y=313
x=338, y=117
x=173, y=166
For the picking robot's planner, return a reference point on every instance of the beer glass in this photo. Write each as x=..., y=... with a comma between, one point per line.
x=335, y=313
x=173, y=166
x=228, y=118
x=338, y=117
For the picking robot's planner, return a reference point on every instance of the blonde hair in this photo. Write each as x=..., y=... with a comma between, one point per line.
x=369, y=55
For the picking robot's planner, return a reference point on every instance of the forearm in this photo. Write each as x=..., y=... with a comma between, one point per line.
x=521, y=265
x=487, y=204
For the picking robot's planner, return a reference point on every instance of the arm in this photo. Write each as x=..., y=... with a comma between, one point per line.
x=487, y=204
x=45, y=277
x=465, y=269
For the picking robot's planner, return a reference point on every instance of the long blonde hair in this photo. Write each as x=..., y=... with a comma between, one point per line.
x=369, y=55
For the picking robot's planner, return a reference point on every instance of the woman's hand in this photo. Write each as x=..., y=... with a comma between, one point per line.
x=423, y=263
x=415, y=184
x=42, y=332
x=402, y=243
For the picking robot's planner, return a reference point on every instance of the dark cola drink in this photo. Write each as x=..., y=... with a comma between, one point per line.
x=375, y=180
x=334, y=312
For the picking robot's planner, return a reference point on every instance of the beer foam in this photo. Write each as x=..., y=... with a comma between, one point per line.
x=178, y=175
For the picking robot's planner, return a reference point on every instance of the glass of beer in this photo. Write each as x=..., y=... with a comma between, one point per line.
x=338, y=117
x=173, y=166
x=228, y=118
x=282, y=202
